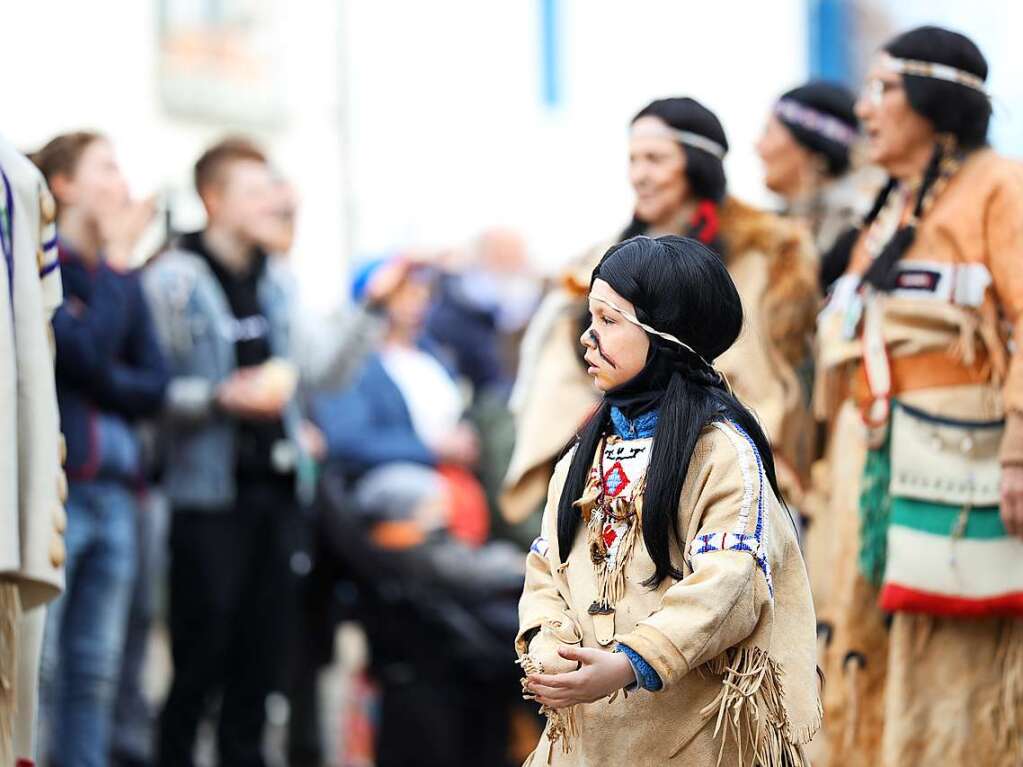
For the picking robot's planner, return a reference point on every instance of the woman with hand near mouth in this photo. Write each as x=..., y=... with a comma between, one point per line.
x=676, y=151
x=667, y=566
x=925, y=392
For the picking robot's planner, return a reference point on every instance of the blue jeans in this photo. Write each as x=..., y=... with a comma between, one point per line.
x=85, y=627
x=133, y=717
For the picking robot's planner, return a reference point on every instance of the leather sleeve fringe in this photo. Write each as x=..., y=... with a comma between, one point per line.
x=561, y=725
x=750, y=709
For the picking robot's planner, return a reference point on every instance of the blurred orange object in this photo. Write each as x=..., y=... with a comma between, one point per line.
x=395, y=536
x=469, y=518
x=358, y=723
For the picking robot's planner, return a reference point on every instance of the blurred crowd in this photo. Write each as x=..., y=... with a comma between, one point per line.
x=250, y=475
x=295, y=454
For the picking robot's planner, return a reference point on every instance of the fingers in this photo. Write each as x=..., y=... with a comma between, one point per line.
x=579, y=654
x=1011, y=514
x=1012, y=503
x=546, y=691
x=553, y=697
x=553, y=687
x=1005, y=511
x=556, y=704
x=555, y=681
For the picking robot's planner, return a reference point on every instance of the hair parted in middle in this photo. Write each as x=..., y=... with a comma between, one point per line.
x=704, y=172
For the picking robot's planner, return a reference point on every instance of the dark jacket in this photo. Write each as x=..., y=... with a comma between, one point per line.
x=109, y=368
x=468, y=333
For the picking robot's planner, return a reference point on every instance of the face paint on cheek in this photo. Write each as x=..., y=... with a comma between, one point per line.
x=600, y=349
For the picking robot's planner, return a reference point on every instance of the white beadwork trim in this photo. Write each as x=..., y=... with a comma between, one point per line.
x=743, y=452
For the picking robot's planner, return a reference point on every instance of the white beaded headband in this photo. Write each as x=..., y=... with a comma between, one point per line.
x=635, y=321
x=815, y=121
x=683, y=137
x=933, y=70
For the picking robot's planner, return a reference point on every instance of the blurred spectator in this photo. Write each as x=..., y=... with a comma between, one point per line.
x=410, y=528
x=480, y=307
x=231, y=451
x=438, y=614
x=480, y=312
x=109, y=373
x=328, y=349
x=404, y=406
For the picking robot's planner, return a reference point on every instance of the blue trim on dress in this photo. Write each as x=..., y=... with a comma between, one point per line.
x=759, y=533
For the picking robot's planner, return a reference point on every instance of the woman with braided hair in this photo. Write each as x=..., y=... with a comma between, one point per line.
x=667, y=566
x=676, y=152
x=924, y=391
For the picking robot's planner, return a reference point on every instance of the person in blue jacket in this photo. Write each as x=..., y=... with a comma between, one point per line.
x=109, y=374
x=404, y=406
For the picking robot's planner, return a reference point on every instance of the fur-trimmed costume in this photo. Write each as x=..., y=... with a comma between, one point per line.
x=771, y=262
x=732, y=642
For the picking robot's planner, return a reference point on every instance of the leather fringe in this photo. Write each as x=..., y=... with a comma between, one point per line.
x=750, y=710
x=10, y=611
x=561, y=724
x=1008, y=713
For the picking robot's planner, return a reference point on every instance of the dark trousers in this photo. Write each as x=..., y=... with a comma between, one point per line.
x=232, y=597
x=443, y=723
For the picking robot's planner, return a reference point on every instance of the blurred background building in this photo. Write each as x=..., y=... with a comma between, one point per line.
x=422, y=122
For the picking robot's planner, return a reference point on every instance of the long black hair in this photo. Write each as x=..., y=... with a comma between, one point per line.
x=678, y=286
x=953, y=109
x=704, y=172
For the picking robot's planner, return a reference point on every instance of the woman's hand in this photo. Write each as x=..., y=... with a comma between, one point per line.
x=1012, y=500
x=601, y=673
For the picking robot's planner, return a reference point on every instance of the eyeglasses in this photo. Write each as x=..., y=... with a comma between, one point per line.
x=874, y=90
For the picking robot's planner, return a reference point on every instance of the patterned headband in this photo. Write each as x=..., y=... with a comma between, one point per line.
x=935, y=71
x=817, y=122
x=666, y=336
x=683, y=137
